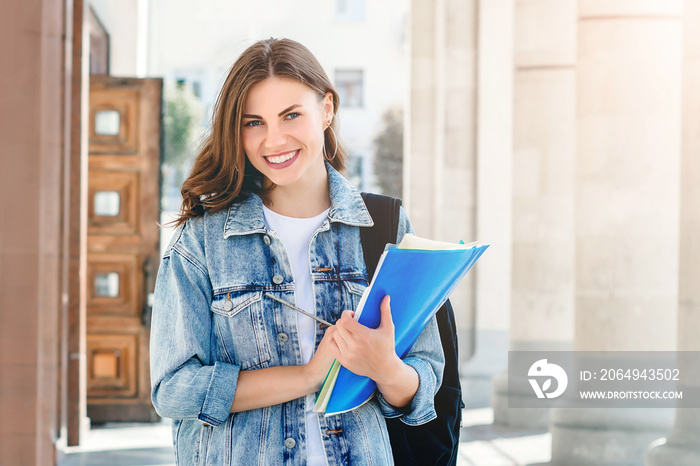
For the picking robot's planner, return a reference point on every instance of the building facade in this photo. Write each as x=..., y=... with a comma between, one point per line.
x=561, y=132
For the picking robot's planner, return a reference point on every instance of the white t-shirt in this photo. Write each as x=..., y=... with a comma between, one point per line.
x=295, y=234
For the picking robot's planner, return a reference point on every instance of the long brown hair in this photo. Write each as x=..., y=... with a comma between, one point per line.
x=221, y=172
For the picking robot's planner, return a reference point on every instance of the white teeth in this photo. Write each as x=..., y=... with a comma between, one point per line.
x=281, y=158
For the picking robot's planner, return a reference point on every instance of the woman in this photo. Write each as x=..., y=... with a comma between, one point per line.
x=266, y=210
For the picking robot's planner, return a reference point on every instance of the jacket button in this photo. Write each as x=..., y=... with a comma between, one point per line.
x=282, y=337
x=267, y=240
x=278, y=279
x=290, y=443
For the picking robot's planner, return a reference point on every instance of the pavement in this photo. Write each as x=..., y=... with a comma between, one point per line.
x=482, y=444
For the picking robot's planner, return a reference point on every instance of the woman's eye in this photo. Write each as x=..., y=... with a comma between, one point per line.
x=252, y=123
x=293, y=115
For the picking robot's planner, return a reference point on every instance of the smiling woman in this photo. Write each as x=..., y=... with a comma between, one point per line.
x=266, y=213
x=222, y=171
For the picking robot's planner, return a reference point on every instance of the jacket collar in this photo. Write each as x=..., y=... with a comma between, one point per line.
x=246, y=216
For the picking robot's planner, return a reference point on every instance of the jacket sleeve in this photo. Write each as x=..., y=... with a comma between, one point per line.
x=186, y=383
x=427, y=358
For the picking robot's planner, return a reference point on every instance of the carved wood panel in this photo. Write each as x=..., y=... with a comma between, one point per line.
x=113, y=207
x=113, y=285
x=112, y=365
x=123, y=236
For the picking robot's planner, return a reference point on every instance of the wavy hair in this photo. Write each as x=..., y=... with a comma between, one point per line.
x=221, y=173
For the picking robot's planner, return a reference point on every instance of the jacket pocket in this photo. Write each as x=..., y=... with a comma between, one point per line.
x=352, y=293
x=241, y=333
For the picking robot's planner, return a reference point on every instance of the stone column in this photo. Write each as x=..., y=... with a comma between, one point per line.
x=440, y=156
x=627, y=211
x=542, y=304
x=31, y=124
x=494, y=139
x=682, y=446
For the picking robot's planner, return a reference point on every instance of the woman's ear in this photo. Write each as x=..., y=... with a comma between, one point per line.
x=328, y=108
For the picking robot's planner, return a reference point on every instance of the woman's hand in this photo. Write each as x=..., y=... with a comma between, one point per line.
x=371, y=352
x=278, y=384
x=319, y=365
x=366, y=351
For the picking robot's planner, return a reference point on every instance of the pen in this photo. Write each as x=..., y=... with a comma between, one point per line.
x=317, y=319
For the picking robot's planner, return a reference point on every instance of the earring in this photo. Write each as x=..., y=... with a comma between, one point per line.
x=336, y=144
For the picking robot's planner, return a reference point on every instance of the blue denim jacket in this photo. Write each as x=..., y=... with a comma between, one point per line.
x=211, y=321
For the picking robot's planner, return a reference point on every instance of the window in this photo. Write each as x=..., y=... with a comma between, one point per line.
x=107, y=285
x=355, y=171
x=107, y=123
x=107, y=203
x=197, y=89
x=349, y=84
x=194, y=85
x=349, y=10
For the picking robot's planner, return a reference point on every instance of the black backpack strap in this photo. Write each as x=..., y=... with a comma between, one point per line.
x=385, y=213
x=437, y=441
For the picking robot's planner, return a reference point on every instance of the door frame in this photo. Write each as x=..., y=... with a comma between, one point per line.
x=73, y=390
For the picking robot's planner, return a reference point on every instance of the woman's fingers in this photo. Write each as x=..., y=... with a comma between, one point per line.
x=344, y=327
x=363, y=350
x=323, y=356
x=341, y=339
x=387, y=322
x=327, y=338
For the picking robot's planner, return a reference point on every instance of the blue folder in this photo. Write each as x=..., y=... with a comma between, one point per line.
x=419, y=282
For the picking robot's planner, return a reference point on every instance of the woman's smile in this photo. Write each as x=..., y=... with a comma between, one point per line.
x=282, y=160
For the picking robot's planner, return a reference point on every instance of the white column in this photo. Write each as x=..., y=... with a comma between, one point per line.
x=627, y=210
x=440, y=160
x=493, y=171
x=542, y=304
x=682, y=446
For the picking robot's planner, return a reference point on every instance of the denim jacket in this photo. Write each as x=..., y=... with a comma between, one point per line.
x=211, y=320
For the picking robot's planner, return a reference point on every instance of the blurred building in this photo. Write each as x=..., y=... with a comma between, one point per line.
x=565, y=134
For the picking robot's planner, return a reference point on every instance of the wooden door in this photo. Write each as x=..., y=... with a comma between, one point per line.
x=123, y=244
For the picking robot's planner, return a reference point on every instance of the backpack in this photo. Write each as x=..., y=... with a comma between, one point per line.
x=436, y=442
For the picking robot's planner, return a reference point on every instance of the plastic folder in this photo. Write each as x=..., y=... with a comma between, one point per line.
x=419, y=275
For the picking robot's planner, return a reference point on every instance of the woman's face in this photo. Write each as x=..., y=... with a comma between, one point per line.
x=283, y=122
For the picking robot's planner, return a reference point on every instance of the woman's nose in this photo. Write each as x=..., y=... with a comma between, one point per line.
x=275, y=137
